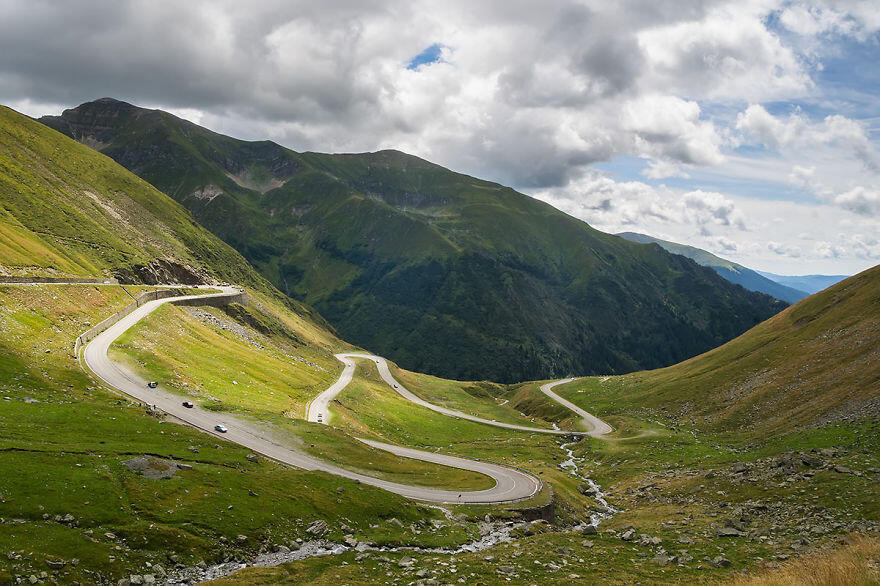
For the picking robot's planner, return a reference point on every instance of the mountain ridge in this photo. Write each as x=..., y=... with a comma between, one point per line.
x=68, y=211
x=439, y=271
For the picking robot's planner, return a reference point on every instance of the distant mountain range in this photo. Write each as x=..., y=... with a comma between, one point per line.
x=790, y=289
x=809, y=283
x=442, y=272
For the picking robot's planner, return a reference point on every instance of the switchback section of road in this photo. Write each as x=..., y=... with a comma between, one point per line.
x=318, y=410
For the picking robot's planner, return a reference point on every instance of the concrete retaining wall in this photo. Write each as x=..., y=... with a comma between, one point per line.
x=71, y=281
x=217, y=301
x=546, y=512
x=241, y=298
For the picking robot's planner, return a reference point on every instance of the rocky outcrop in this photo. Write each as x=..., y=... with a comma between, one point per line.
x=94, y=124
x=154, y=468
x=161, y=271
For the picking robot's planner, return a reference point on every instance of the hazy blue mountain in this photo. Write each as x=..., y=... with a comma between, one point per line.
x=733, y=272
x=809, y=283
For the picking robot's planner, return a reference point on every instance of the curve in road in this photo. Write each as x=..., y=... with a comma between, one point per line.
x=598, y=428
x=318, y=409
x=510, y=484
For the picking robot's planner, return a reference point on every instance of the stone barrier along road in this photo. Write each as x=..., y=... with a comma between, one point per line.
x=241, y=298
x=214, y=300
x=10, y=280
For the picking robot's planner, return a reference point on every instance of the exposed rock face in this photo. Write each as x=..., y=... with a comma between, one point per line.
x=160, y=271
x=208, y=192
x=318, y=528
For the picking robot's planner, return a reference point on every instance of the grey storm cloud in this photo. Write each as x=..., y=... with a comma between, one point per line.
x=192, y=54
x=524, y=97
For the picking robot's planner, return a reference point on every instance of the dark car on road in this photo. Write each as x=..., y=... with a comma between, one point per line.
x=152, y=384
x=188, y=404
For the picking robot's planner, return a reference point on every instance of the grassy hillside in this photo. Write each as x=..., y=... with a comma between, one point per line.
x=230, y=361
x=74, y=509
x=813, y=363
x=658, y=481
x=733, y=272
x=68, y=211
x=442, y=272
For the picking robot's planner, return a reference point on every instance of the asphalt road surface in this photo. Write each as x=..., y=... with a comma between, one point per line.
x=598, y=428
x=510, y=484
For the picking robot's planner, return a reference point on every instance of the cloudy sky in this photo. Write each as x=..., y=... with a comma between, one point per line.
x=750, y=128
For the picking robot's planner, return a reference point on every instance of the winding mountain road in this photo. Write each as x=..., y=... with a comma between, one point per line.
x=510, y=484
x=318, y=410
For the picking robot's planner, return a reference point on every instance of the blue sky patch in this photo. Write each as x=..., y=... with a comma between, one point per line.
x=432, y=54
x=629, y=168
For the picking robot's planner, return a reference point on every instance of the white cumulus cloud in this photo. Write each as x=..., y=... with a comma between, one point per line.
x=860, y=200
